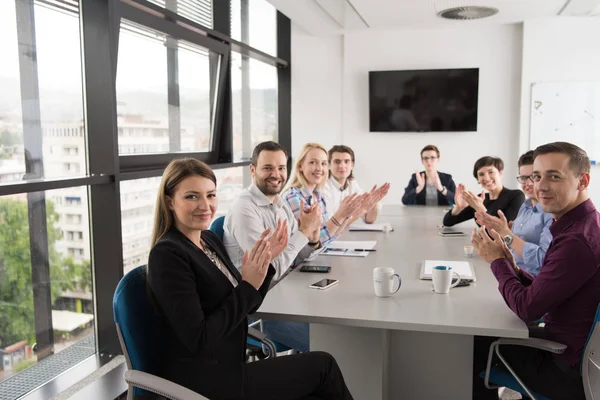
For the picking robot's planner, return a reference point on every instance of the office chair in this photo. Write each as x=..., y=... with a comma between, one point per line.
x=253, y=346
x=142, y=336
x=217, y=227
x=590, y=364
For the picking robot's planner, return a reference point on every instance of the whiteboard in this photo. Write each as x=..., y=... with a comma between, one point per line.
x=566, y=112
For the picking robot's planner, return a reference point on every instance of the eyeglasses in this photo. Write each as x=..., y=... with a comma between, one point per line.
x=427, y=158
x=524, y=178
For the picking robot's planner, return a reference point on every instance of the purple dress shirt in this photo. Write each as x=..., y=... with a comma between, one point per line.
x=567, y=290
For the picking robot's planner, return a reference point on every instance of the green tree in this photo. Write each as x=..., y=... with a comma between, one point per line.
x=16, y=293
x=9, y=139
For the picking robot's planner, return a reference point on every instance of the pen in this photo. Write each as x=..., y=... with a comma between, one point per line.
x=334, y=249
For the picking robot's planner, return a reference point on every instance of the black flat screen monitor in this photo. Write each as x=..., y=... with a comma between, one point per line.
x=429, y=100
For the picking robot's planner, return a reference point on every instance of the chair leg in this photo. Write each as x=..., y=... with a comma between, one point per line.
x=488, y=368
x=130, y=392
x=531, y=396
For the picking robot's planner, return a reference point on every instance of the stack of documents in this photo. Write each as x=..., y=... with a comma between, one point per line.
x=360, y=225
x=349, y=248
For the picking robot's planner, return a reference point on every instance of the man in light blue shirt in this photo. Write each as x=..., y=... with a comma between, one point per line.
x=528, y=236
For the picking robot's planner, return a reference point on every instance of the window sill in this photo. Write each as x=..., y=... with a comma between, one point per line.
x=109, y=385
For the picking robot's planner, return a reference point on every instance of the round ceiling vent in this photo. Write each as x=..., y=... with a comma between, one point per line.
x=468, y=12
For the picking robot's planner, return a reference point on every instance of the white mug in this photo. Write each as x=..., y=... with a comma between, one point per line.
x=442, y=279
x=383, y=281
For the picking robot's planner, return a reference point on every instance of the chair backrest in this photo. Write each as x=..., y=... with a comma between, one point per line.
x=140, y=327
x=590, y=364
x=217, y=227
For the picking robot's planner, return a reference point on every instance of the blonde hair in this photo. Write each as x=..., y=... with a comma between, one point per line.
x=297, y=178
x=176, y=171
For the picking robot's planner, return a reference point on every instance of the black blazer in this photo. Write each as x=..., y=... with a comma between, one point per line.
x=509, y=201
x=411, y=197
x=205, y=316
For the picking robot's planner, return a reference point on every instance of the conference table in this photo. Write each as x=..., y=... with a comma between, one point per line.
x=414, y=345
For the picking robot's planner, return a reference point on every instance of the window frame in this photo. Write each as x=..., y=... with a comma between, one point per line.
x=99, y=24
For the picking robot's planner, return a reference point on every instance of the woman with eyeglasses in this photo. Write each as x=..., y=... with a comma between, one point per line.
x=529, y=236
x=488, y=172
x=429, y=187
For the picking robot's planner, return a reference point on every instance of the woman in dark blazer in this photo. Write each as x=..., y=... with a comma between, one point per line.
x=205, y=301
x=429, y=187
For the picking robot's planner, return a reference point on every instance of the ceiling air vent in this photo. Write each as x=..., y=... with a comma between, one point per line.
x=468, y=12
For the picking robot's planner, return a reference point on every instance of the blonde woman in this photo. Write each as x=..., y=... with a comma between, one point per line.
x=305, y=186
x=205, y=301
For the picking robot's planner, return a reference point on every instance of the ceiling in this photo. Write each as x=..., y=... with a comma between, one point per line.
x=339, y=16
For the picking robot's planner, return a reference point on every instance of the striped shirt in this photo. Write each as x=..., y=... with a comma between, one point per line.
x=293, y=196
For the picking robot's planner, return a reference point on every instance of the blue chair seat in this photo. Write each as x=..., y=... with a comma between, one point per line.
x=279, y=346
x=501, y=377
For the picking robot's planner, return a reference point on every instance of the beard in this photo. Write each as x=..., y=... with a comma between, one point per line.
x=267, y=188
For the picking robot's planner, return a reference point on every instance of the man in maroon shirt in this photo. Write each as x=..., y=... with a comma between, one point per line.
x=567, y=290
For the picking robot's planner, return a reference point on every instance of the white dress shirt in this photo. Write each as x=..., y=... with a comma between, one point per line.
x=334, y=193
x=249, y=216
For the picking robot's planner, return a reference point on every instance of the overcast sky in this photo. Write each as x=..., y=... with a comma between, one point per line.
x=142, y=62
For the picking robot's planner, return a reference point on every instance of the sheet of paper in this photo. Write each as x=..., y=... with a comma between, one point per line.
x=352, y=244
x=347, y=248
x=359, y=225
x=344, y=253
x=463, y=268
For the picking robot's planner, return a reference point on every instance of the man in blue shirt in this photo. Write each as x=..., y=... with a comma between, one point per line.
x=528, y=236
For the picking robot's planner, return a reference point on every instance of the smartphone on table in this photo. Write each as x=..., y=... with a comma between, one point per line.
x=315, y=268
x=323, y=284
x=451, y=233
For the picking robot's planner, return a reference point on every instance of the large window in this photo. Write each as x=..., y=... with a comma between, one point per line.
x=138, y=201
x=45, y=273
x=96, y=98
x=41, y=110
x=254, y=22
x=230, y=183
x=163, y=93
x=199, y=11
x=45, y=280
x=254, y=104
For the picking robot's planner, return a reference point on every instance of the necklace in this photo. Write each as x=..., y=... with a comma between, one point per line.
x=211, y=254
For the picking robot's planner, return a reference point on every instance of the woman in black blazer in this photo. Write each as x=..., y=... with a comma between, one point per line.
x=205, y=301
x=488, y=172
x=429, y=187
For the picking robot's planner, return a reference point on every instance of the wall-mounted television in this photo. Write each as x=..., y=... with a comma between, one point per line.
x=428, y=100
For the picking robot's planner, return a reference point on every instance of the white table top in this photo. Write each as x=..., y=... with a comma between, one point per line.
x=474, y=310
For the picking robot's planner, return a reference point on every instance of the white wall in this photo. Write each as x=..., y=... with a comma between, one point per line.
x=317, y=116
x=392, y=157
x=316, y=89
x=554, y=50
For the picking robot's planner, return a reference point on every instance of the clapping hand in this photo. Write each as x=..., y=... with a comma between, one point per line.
x=420, y=181
x=435, y=181
x=309, y=222
x=500, y=225
x=474, y=201
x=255, y=263
x=374, y=196
x=351, y=205
x=459, y=199
x=278, y=241
x=491, y=250
x=487, y=248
